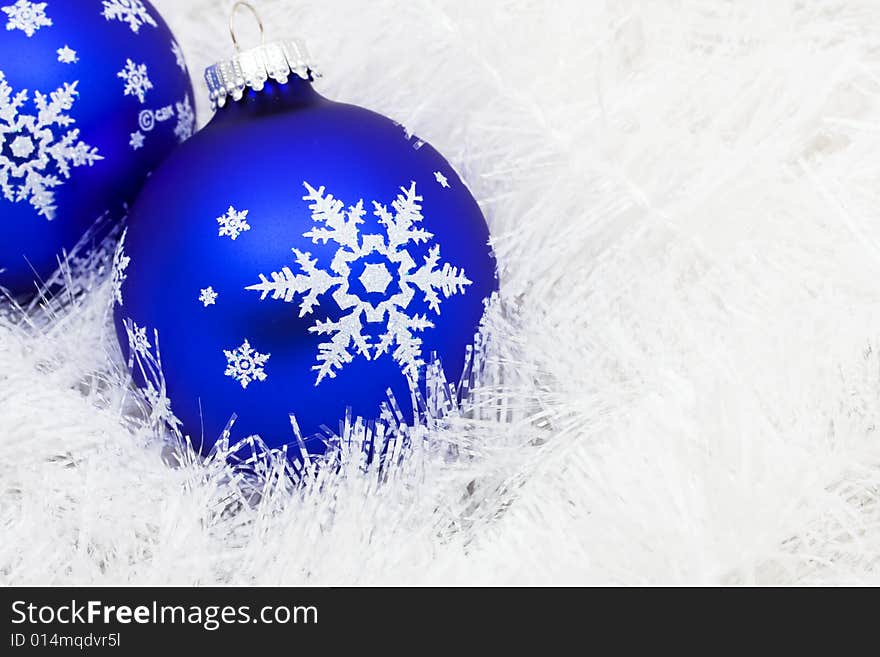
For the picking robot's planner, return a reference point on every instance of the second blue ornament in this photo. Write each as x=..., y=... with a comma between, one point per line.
x=93, y=95
x=298, y=257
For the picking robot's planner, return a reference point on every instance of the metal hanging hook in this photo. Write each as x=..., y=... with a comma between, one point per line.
x=245, y=5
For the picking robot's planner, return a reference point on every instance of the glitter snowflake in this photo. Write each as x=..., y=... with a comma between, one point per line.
x=120, y=264
x=33, y=158
x=138, y=341
x=160, y=405
x=27, y=16
x=233, y=223
x=208, y=297
x=146, y=359
x=67, y=55
x=132, y=12
x=178, y=55
x=245, y=365
x=137, y=81
x=367, y=258
x=186, y=120
x=137, y=140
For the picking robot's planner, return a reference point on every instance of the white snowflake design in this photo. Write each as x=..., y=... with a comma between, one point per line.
x=245, y=365
x=233, y=223
x=137, y=81
x=341, y=227
x=132, y=12
x=178, y=55
x=146, y=359
x=137, y=140
x=208, y=297
x=67, y=55
x=120, y=264
x=186, y=120
x=160, y=405
x=442, y=180
x=33, y=159
x=138, y=341
x=27, y=16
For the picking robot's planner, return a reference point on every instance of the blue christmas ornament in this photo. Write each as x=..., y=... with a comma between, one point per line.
x=299, y=257
x=93, y=95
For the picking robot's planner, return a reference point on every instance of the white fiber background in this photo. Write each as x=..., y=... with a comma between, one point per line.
x=685, y=199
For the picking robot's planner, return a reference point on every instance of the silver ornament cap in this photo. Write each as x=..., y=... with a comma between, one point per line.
x=252, y=68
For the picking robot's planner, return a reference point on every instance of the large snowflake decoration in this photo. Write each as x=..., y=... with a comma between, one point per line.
x=245, y=364
x=27, y=16
x=367, y=259
x=33, y=158
x=132, y=12
x=137, y=82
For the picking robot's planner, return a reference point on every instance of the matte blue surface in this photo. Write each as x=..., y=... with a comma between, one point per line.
x=255, y=155
x=105, y=117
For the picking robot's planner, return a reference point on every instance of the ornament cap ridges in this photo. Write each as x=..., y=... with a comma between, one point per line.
x=252, y=68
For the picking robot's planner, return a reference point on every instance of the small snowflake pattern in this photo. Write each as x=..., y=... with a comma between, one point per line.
x=178, y=55
x=245, y=365
x=233, y=223
x=137, y=81
x=186, y=120
x=132, y=12
x=137, y=140
x=138, y=341
x=442, y=180
x=398, y=329
x=120, y=264
x=208, y=297
x=160, y=405
x=27, y=16
x=67, y=55
x=44, y=148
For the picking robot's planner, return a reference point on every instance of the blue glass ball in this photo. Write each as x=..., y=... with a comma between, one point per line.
x=300, y=257
x=93, y=95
